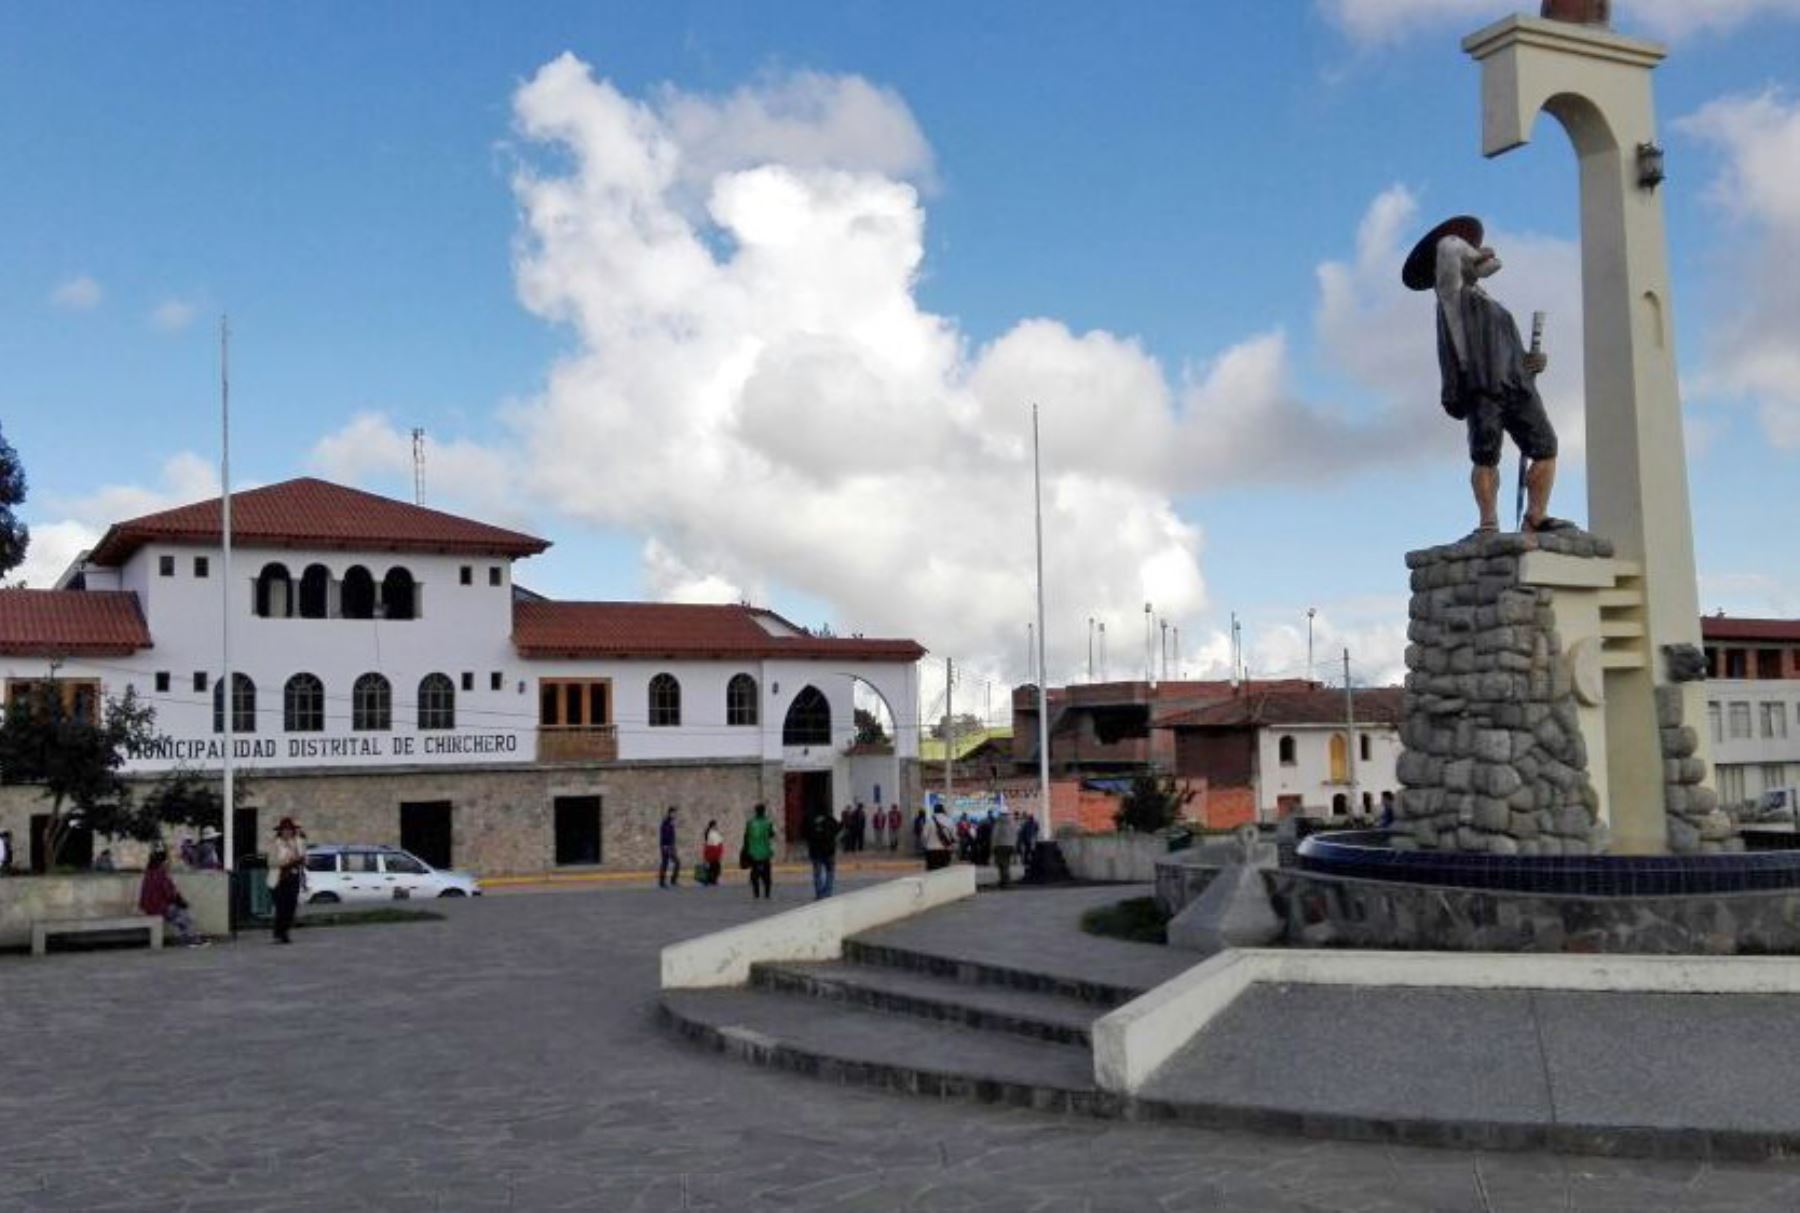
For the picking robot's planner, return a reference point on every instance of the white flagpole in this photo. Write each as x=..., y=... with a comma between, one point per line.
x=227, y=691
x=1043, y=713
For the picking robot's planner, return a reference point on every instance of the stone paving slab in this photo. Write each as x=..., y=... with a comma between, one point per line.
x=508, y=1058
x=1049, y=1009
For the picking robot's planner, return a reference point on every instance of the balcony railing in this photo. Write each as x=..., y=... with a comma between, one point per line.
x=578, y=743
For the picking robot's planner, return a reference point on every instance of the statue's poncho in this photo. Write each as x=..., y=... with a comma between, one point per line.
x=1488, y=362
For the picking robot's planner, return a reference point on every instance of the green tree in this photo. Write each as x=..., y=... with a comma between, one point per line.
x=868, y=728
x=1153, y=803
x=14, y=536
x=77, y=760
x=189, y=799
x=966, y=725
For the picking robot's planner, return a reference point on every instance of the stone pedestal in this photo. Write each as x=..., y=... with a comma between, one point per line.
x=1523, y=658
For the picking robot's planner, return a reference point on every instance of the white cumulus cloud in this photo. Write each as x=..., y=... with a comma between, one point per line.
x=1751, y=353
x=755, y=391
x=171, y=316
x=70, y=526
x=78, y=294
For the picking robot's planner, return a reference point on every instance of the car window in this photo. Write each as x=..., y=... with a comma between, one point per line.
x=361, y=861
x=400, y=862
x=321, y=863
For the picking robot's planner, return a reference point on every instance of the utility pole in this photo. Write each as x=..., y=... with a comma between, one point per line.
x=1037, y=513
x=949, y=727
x=1090, y=648
x=1149, y=661
x=1350, y=727
x=1163, y=646
x=1236, y=651
x=227, y=690
x=1030, y=657
x=1178, y=652
x=1310, y=612
x=1103, y=650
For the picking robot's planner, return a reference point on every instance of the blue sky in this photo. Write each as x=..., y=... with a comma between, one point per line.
x=342, y=180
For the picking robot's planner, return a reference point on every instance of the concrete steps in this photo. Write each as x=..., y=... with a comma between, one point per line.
x=903, y=1018
x=992, y=1008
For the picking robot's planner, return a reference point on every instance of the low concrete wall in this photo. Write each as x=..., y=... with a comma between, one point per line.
x=1113, y=858
x=813, y=932
x=1131, y=1042
x=28, y=899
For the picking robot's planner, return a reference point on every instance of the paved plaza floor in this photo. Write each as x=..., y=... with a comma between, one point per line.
x=508, y=1058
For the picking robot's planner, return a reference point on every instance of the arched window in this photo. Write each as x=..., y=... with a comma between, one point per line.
x=357, y=596
x=315, y=592
x=740, y=700
x=243, y=705
x=1286, y=748
x=1340, y=805
x=808, y=719
x=665, y=701
x=372, y=704
x=399, y=595
x=274, y=592
x=303, y=705
x=1340, y=758
x=437, y=702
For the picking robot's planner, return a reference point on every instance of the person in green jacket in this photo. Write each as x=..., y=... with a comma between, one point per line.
x=759, y=852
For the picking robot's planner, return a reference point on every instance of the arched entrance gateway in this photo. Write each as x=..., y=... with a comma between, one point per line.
x=806, y=740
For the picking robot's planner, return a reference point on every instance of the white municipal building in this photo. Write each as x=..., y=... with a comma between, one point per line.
x=393, y=685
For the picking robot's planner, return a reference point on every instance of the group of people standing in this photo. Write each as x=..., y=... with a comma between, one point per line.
x=998, y=838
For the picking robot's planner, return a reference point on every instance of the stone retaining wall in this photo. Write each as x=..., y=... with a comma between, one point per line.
x=1494, y=758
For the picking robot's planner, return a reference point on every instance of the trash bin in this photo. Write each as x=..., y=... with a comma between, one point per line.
x=252, y=901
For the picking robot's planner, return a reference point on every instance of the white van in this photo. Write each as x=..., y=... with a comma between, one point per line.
x=337, y=873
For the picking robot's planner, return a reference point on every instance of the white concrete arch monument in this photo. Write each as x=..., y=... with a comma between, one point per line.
x=1596, y=83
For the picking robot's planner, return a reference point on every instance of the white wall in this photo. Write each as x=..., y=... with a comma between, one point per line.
x=460, y=629
x=1754, y=758
x=1310, y=775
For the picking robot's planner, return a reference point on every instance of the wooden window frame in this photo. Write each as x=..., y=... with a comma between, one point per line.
x=558, y=693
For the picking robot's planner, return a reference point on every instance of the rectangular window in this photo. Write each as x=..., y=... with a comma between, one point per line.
x=1715, y=721
x=493, y=574
x=494, y=681
x=468, y=680
x=1768, y=663
x=162, y=681
x=1736, y=663
x=77, y=698
x=1771, y=775
x=1712, y=662
x=1731, y=784
x=1740, y=721
x=202, y=566
x=200, y=681
x=574, y=703
x=165, y=566
x=1774, y=720
x=468, y=575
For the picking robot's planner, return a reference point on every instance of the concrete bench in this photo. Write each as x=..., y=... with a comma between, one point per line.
x=41, y=931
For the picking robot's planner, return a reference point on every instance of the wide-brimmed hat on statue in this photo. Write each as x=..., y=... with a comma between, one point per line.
x=1420, y=271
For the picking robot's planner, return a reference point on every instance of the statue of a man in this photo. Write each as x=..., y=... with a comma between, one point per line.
x=1489, y=378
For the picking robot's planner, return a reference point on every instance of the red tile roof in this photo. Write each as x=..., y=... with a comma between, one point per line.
x=659, y=629
x=1724, y=627
x=1379, y=705
x=56, y=623
x=309, y=513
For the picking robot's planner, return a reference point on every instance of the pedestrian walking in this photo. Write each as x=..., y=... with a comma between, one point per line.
x=1005, y=842
x=287, y=875
x=878, y=826
x=938, y=836
x=206, y=855
x=712, y=852
x=159, y=898
x=821, y=830
x=668, y=869
x=758, y=852
x=894, y=821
